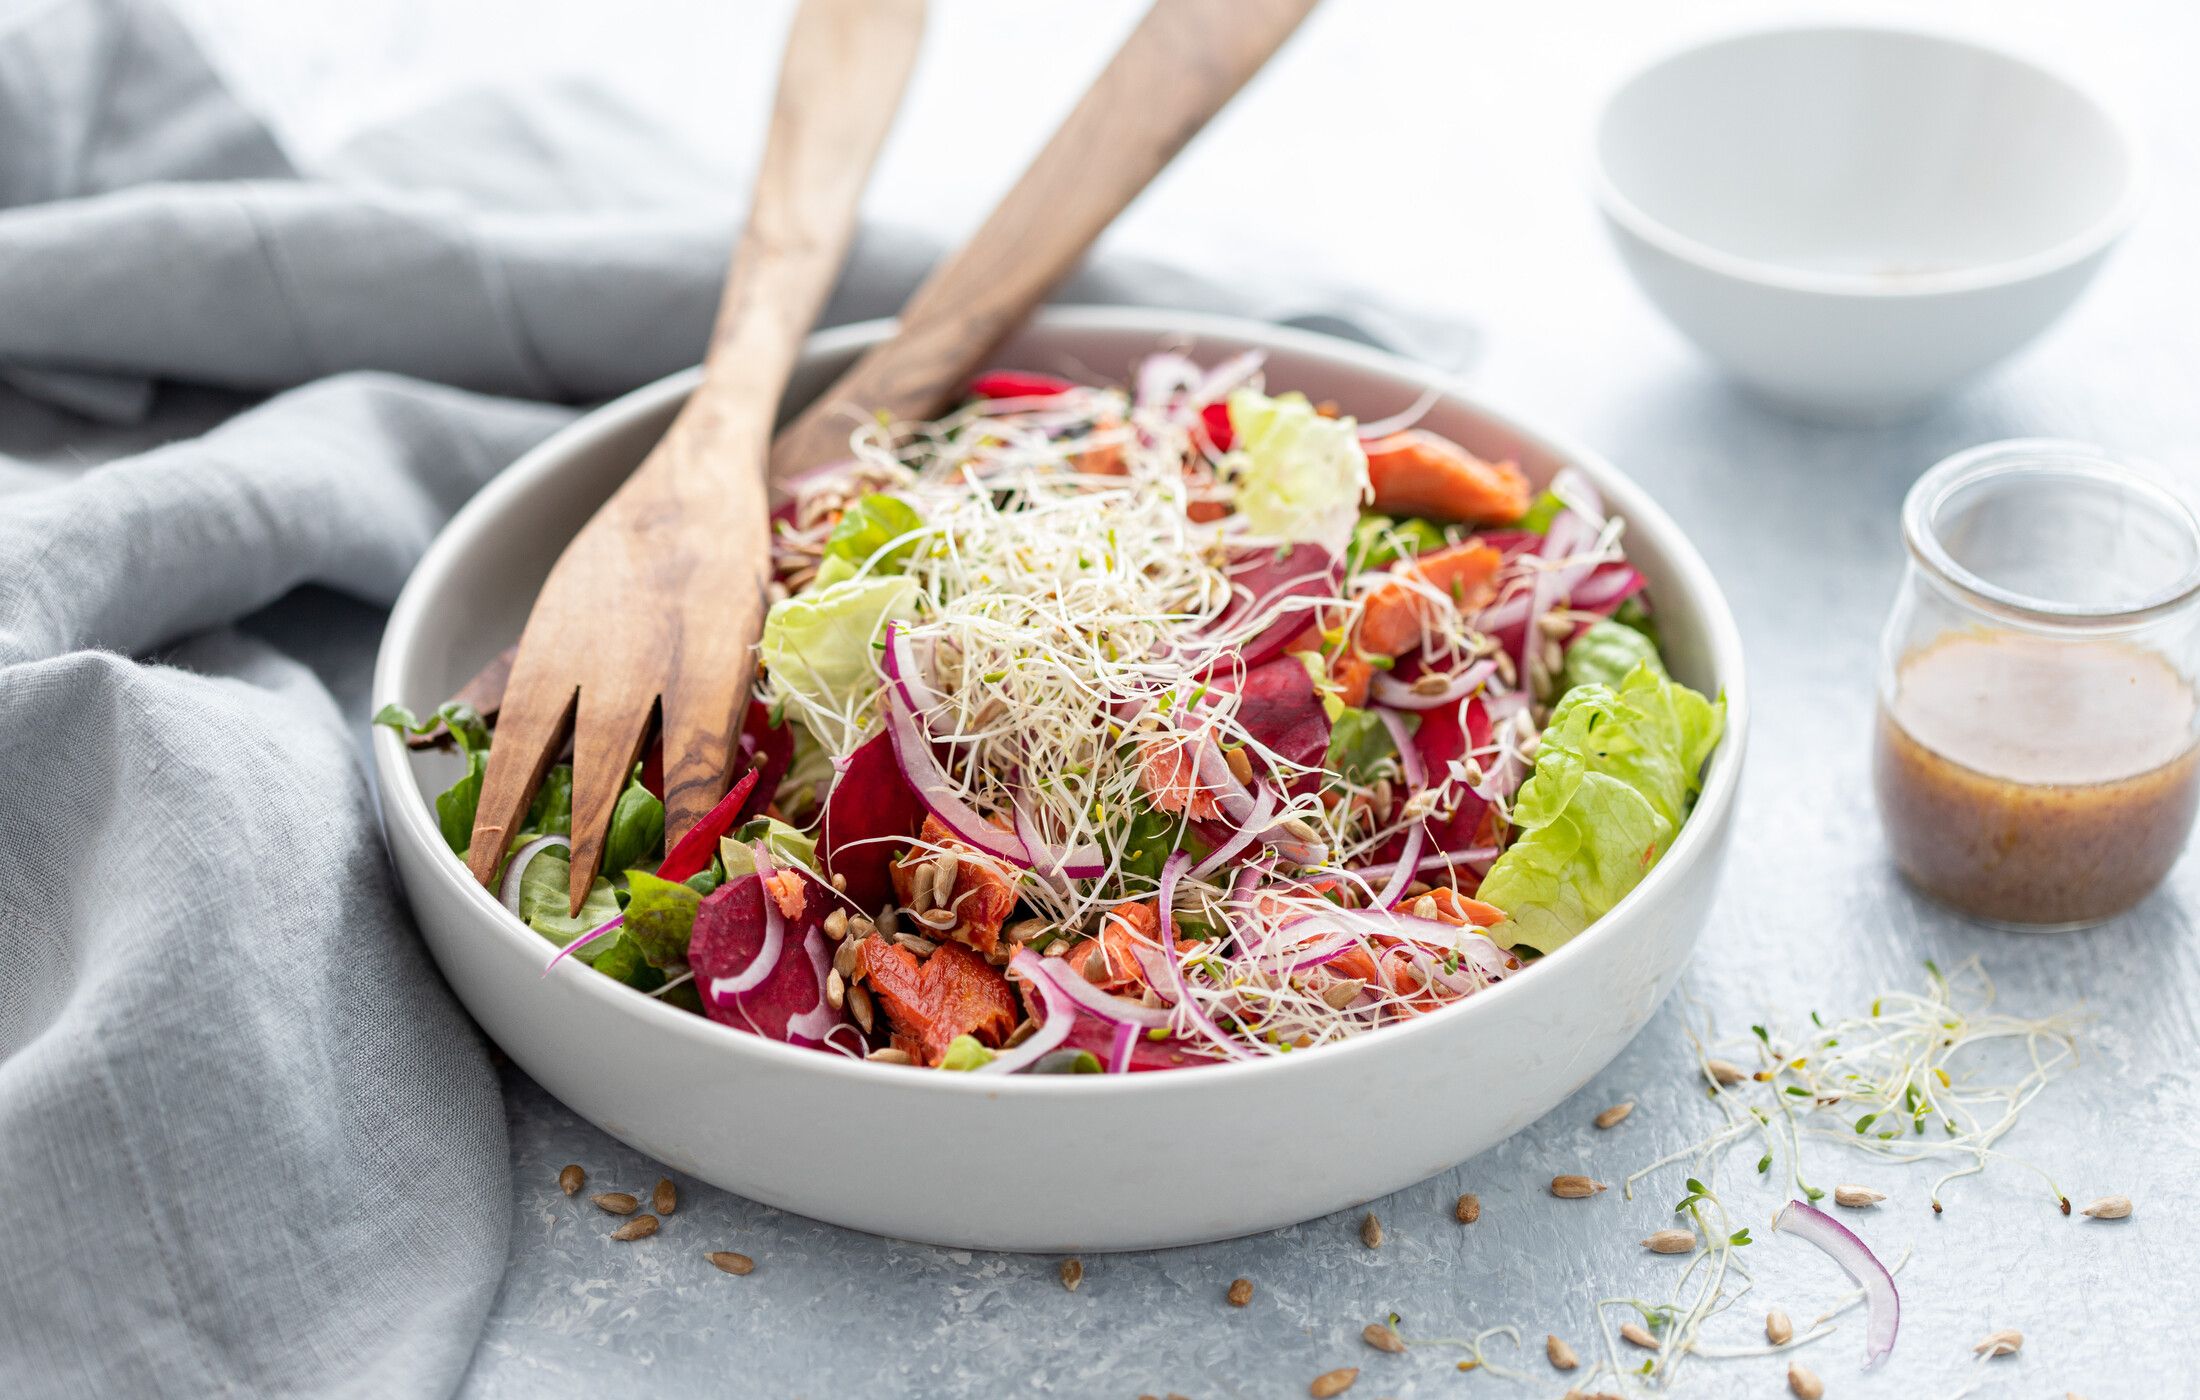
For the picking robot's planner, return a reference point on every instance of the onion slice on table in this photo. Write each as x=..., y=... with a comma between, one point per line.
x=1882, y=1305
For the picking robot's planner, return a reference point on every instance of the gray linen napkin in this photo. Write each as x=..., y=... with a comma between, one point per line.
x=248, y=1143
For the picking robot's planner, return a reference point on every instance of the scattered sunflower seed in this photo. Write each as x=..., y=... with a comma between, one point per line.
x=1857, y=1197
x=2110, y=1208
x=1241, y=1292
x=859, y=1006
x=616, y=1202
x=665, y=1198
x=641, y=1227
x=1671, y=1242
x=836, y=989
x=1805, y=1383
x=2003, y=1343
x=1726, y=1072
x=572, y=1179
x=1335, y=1382
x=944, y=870
x=1424, y=907
x=1382, y=1337
x=1778, y=1330
x=1638, y=1335
x=1562, y=1356
x=1371, y=1231
x=890, y=1056
x=1241, y=766
x=836, y=925
x=844, y=960
x=731, y=1262
x=1574, y=1188
x=1613, y=1116
x=1468, y=1210
x=1434, y=683
x=1339, y=995
x=1298, y=827
x=1025, y=1030
x=1073, y=1273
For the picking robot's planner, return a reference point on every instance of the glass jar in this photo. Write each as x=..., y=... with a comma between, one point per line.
x=2035, y=757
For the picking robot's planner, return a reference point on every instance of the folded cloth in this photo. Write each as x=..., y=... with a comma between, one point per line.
x=250, y=1144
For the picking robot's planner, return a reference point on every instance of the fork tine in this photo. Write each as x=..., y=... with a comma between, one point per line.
x=608, y=731
x=702, y=717
x=530, y=727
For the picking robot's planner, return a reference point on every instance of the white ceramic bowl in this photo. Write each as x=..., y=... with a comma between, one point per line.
x=1056, y=1163
x=1854, y=220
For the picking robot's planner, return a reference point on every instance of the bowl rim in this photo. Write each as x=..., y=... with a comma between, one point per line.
x=2094, y=239
x=401, y=794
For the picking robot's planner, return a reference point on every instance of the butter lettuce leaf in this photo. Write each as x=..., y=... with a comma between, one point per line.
x=877, y=531
x=1300, y=476
x=1615, y=773
x=817, y=648
x=1605, y=653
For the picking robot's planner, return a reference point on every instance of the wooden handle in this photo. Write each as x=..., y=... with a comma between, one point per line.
x=1185, y=59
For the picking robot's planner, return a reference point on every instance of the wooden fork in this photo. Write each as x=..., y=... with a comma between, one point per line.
x=657, y=601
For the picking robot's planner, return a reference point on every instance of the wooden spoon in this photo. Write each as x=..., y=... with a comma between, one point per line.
x=1185, y=59
x=660, y=597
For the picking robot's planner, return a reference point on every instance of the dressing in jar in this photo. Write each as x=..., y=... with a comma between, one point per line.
x=2035, y=758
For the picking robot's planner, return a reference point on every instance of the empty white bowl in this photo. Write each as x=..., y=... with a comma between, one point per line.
x=1046, y=1162
x=1854, y=220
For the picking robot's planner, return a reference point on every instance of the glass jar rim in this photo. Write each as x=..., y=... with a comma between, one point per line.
x=2041, y=456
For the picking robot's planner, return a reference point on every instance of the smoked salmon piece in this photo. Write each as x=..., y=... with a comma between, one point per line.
x=1396, y=614
x=1417, y=473
x=953, y=992
x=982, y=896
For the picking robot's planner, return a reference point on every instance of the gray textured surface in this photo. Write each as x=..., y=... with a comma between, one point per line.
x=1453, y=134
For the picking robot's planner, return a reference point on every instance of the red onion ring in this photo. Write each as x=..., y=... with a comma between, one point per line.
x=1256, y=822
x=1119, y=1053
x=1061, y=1017
x=1115, y=1010
x=1882, y=1304
x=1172, y=870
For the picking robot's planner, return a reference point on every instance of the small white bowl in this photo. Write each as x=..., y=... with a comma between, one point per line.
x=1854, y=220
x=1038, y=1162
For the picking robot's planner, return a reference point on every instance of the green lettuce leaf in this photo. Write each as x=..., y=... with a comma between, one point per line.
x=1358, y=745
x=1300, y=476
x=542, y=903
x=965, y=1053
x=1379, y=541
x=552, y=812
x=1604, y=654
x=786, y=844
x=637, y=835
x=1541, y=512
x=818, y=647
x=1615, y=773
x=660, y=914
x=869, y=532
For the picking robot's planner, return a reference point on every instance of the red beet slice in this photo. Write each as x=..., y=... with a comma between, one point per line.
x=730, y=935
x=767, y=749
x=870, y=805
x=1269, y=576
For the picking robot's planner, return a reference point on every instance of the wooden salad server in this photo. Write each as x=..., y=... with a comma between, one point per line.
x=1185, y=60
x=659, y=600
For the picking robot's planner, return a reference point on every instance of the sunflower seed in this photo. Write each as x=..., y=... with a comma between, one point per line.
x=1778, y=1330
x=1424, y=907
x=1339, y=995
x=939, y=921
x=665, y=1198
x=844, y=960
x=641, y=1227
x=836, y=989
x=1468, y=1210
x=1241, y=766
x=1371, y=1231
x=1300, y=829
x=1638, y=1335
x=890, y=1056
x=572, y=1179
x=1506, y=671
x=1614, y=1115
x=2110, y=1208
x=1805, y=1383
x=1241, y=1292
x=1725, y=1071
x=731, y=1262
x=616, y=1202
x=1073, y=1273
x=840, y=883
x=1434, y=683
x=859, y=1006
x=1573, y=1188
x=1857, y=1197
x=945, y=869
x=860, y=927
x=1025, y=1030
x=1553, y=624
x=836, y=925
x=1562, y=1356
x=1026, y=930
x=1671, y=1242
x=1331, y=1383
x=2003, y=1343
x=1382, y=1338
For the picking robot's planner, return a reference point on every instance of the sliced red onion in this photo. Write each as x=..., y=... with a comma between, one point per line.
x=1172, y=871
x=518, y=866
x=1086, y=862
x=1416, y=776
x=1472, y=856
x=589, y=937
x=775, y=938
x=1115, y=1010
x=1230, y=374
x=1119, y=1053
x=1882, y=1305
x=1061, y=1016
x=1607, y=587
x=1399, y=422
x=1250, y=830
x=1400, y=695
x=1161, y=377
x=913, y=751
x=1580, y=494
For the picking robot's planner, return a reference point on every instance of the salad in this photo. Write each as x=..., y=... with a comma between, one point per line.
x=1115, y=729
